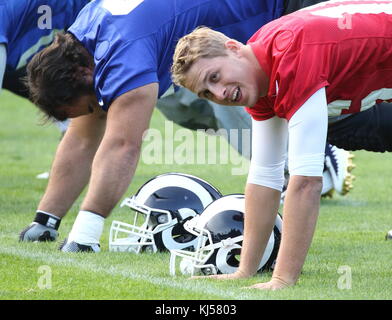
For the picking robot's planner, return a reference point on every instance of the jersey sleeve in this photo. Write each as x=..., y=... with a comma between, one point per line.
x=269, y=151
x=306, y=151
x=121, y=69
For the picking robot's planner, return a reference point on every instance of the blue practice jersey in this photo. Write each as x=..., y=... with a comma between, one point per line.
x=133, y=41
x=27, y=26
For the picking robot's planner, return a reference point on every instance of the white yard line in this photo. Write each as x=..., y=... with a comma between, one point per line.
x=200, y=287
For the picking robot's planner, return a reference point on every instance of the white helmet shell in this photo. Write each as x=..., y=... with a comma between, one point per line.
x=219, y=230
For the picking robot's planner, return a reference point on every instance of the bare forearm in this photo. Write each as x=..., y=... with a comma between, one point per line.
x=113, y=169
x=116, y=159
x=71, y=167
x=301, y=209
x=69, y=174
x=262, y=205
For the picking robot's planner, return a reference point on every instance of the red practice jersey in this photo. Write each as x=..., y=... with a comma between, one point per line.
x=345, y=46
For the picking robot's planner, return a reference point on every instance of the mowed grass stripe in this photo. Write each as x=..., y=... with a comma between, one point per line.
x=201, y=288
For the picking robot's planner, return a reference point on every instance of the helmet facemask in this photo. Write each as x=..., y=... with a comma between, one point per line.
x=160, y=209
x=219, y=252
x=208, y=258
x=138, y=237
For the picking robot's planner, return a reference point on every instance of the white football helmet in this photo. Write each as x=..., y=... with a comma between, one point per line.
x=160, y=207
x=219, y=231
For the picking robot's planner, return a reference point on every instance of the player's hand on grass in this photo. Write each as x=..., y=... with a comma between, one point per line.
x=43, y=228
x=273, y=284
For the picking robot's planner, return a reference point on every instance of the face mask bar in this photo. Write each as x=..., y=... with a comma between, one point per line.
x=124, y=237
x=132, y=238
x=194, y=262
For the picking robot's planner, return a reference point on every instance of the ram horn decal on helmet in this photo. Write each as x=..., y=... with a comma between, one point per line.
x=161, y=207
x=219, y=231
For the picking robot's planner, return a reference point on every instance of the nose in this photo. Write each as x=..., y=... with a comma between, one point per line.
x=219, y=92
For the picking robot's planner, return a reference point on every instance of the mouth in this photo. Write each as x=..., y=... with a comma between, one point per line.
x=236, y=95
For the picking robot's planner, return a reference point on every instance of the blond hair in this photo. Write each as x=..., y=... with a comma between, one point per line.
x=203, y=42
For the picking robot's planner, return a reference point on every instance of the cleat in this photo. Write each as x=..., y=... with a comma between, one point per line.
x=73, y=246
x=339, y=164
x=348, y=184
x=329, y=194
x=37, y=232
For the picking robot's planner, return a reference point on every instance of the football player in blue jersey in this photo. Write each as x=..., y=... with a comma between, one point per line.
x=107, y=73
x=26, y=27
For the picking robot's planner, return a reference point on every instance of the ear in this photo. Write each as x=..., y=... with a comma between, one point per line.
x=233, y=45
x=87, y=74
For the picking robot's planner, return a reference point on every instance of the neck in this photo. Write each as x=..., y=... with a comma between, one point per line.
x=261, y=77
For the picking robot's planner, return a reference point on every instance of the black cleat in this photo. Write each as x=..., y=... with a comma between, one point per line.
x=73, y=246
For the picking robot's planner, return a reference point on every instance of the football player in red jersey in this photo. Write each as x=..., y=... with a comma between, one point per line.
x=298, y=75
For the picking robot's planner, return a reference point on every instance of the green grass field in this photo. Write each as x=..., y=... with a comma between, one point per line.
x=350, y=232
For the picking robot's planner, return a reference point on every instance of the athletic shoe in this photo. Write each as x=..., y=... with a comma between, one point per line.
x=339, y=164
x=73, y=246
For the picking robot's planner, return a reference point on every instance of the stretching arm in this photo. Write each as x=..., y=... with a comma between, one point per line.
x=307, y=136
x=71, y=167
x=262, y=194
x=116, y=159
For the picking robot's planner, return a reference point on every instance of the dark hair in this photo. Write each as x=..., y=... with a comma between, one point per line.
x=60, y=74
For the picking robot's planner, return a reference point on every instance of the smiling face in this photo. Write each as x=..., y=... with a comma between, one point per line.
x=234, y=79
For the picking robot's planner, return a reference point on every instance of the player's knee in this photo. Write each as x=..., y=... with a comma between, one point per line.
x=307, y=185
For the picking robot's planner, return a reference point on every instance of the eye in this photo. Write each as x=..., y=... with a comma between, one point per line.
x=214, y=77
